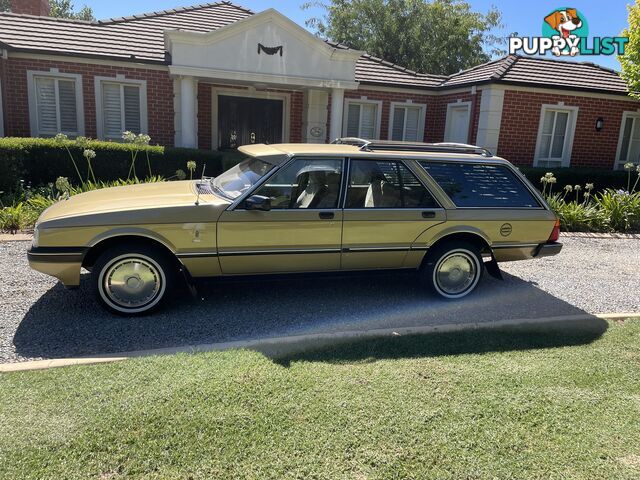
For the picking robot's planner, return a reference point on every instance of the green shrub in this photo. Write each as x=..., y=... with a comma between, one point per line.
x=601, y=179
x=575, y=216
x=621, y=210
x=13, y=218
x=39, y=161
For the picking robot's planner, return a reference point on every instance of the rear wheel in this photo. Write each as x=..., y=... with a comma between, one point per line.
x=132, y=280
x=453, y=270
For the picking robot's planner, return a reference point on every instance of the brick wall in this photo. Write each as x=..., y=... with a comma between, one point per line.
x=159, y=95
x=31, y=7
x=521, y=117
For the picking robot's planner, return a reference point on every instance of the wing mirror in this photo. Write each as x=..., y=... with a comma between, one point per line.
x=258, y=202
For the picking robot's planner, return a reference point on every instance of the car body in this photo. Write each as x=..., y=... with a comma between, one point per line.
x=353, y=205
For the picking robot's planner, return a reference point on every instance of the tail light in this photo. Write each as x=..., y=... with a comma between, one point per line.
x=555, y=233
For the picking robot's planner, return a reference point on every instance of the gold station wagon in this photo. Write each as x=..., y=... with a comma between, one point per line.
x=448, y=211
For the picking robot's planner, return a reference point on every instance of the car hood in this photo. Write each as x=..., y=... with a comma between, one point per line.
x=125, y=199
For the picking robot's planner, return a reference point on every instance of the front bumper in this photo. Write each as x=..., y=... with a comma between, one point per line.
x=64, y=263
x=548, y=249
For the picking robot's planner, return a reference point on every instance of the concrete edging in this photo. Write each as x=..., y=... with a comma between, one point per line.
x=280, y=346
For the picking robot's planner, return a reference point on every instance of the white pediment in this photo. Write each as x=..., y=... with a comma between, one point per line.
x=266, y=47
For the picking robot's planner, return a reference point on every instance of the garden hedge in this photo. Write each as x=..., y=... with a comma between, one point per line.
x=39, y=161
x=601, y=178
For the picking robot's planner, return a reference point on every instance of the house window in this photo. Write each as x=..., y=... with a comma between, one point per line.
x=121, y=106
x=629, y=141
x=362, y=119
x=555, y=136
x=55, y=104
x=407, y=122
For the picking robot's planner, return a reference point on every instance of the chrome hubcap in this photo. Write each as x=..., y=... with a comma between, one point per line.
x=132, y=282
x=455, y=273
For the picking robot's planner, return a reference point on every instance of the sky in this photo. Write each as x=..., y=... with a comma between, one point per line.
x=606, y=19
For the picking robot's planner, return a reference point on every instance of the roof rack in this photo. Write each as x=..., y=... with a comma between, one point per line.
x=444, y=147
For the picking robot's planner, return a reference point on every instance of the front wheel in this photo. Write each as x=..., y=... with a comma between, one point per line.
x=453, y=270
x=131, y=280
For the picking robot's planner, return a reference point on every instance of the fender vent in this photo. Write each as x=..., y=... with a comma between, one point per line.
x=204, y=189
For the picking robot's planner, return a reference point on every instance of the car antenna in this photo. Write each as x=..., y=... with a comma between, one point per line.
x=201, y=176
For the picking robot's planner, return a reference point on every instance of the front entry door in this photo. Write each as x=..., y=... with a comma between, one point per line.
x=301, y=232
x=386, y=209
x=244, y=120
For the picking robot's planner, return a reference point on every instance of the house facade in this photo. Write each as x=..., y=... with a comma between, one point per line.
x=217, y=76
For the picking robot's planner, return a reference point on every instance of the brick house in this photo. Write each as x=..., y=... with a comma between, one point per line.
x=216, y=76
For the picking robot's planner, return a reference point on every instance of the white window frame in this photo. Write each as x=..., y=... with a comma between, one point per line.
x=362, y=101
x=568, y=138
x=635, y=114
x=122, y=80
x=421, y=118
x=33, y=106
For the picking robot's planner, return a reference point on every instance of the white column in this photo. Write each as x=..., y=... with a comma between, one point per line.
x=188, y=122
x=490, y=118
x=337, y=104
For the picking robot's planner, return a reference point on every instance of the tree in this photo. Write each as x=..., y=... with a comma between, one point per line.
x=65, y=9
x=630, y=61
x=5, y=5
x=440, y=36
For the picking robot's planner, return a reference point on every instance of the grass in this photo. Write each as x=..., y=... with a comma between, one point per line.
x=465, y=405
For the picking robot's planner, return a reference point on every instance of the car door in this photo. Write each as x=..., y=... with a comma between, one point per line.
x=386, y=209
x=302, y=230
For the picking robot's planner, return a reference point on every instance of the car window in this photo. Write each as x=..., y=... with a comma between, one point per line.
x=240, y=178
x=476, y=185
x=385, y=184
x=305, y=183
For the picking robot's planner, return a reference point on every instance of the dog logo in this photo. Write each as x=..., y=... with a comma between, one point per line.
x=565, y=31
x=568, y=26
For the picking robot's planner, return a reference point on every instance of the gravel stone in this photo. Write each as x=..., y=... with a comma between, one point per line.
x=39, y=318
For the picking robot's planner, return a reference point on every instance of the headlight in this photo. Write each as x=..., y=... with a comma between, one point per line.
x=36, y=237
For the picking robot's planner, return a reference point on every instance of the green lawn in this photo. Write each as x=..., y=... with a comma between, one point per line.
x=461, y=406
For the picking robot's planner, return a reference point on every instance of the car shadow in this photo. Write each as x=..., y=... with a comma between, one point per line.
x=63, y=323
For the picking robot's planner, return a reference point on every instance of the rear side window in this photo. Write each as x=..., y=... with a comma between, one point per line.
x=475, y=185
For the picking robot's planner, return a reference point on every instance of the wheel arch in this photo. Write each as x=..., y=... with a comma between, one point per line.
x=474, y=237
x=102, y=243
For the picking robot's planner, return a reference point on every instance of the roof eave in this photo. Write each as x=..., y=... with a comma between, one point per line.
x=58, y=53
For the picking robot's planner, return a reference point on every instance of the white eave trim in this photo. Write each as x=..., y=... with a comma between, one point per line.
x=245, y=77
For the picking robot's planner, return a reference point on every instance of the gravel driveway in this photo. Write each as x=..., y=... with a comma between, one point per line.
x=40, y=319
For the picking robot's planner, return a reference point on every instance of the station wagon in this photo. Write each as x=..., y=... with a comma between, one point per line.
x=447, y=211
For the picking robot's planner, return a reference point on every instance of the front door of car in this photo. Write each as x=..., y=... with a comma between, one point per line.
x=386, y=209
x=301, y=231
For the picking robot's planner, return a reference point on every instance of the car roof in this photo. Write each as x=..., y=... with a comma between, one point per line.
x=276, y=153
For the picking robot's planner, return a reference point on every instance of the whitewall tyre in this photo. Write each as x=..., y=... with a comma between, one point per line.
x=453, y=270
x=132, y=280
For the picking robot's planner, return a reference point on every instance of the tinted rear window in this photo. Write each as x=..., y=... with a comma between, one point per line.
x=474, y=185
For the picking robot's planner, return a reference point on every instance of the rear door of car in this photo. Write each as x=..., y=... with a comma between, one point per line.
x=302, y=231
x=386, y=208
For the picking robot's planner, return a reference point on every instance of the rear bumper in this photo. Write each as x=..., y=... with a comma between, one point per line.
x=548, y=249
x=64, y=263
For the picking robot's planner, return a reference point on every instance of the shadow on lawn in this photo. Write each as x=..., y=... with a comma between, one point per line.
x=548, y=335
x=65, y=323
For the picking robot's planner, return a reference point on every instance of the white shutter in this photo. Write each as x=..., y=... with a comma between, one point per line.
x=46, y=106
x=368, y=121
x=132, y=121
x=411, y=124
x=353, y=120
x=112, y=110
x=397, y=130
x=68, y=106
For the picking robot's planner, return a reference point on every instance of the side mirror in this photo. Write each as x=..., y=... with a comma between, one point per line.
x=258, y=202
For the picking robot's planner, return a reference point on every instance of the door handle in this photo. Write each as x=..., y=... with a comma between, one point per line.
x=326, y=215
x=428, y=214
